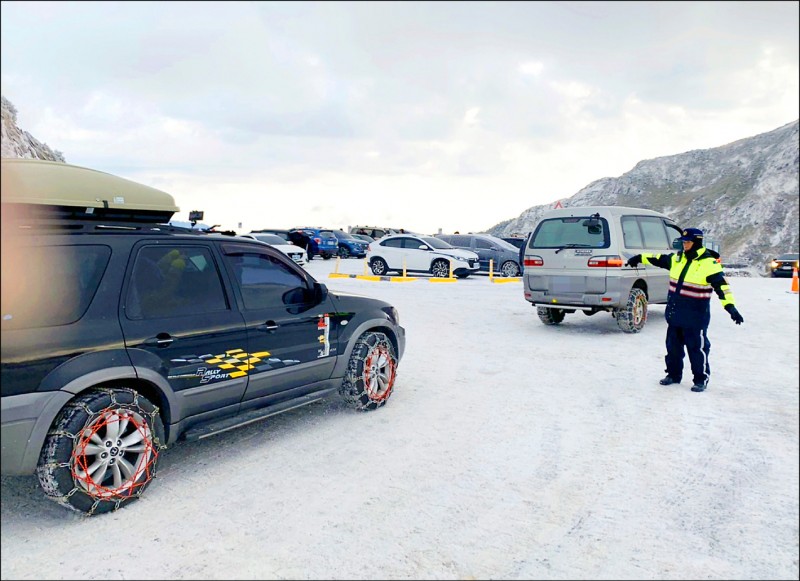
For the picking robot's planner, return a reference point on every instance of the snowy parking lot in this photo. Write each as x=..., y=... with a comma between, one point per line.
x=509, y=450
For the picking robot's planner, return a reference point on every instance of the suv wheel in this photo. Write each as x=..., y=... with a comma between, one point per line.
x=550, y=316
x=510, y=268
x=378, y=266
x=632, y=317
x=101, y=451
x=344, y=252
x=440, y=268
x=370, y=373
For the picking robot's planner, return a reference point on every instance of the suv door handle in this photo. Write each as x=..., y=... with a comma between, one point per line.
x=268, y=326
x=160, y=340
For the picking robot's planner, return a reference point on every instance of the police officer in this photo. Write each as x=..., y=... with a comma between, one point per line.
x=693, y=273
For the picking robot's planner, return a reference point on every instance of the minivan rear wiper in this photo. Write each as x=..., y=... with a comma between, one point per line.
x=573, y=246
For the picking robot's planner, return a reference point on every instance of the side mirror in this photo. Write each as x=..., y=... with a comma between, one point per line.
x=677, y=244
x=423, y=247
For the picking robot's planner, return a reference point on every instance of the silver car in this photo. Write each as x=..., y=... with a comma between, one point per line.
x=504, y=257
x=575, y=261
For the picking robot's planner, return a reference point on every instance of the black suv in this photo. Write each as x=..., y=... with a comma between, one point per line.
x=121, y=335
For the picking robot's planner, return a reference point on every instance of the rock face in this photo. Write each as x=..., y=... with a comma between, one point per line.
x=19, y=143
x=744, y=195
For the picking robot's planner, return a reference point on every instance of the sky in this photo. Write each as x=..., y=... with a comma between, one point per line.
x=508, y=450
x=420, y=115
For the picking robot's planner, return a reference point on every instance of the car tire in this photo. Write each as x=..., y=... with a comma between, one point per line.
x=440, y=268
x=86, y=443
x=550, y=316
x=371, y=372
x=465, y=275
x=378, y=266
x=327, y=256
x=510, y=268
x=632, y=317
x=344, y=252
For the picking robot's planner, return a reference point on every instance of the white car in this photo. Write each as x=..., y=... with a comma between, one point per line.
x=294, y=252
x=420, y=254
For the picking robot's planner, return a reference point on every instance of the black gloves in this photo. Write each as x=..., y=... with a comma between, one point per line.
x=634, y=261
x=735, y=316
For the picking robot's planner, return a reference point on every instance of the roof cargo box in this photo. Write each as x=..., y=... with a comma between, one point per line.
x=50, y=189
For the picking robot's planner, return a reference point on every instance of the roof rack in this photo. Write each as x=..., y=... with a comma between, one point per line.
x=38, y=189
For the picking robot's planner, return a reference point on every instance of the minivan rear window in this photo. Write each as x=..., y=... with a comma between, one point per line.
x=51, y=285
x=572, y=232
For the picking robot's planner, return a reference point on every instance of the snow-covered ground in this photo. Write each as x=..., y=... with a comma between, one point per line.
x=509, y=450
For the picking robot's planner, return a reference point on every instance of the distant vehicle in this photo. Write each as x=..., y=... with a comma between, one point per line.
x=349, y=245
x=575, y=261
x=320, y=241
x=292, y=251
x=420, y=254
x=516, y=241
x=283, y=233
x=363, y=237
x=504, y=256
x=375, y=232
x=783, y=265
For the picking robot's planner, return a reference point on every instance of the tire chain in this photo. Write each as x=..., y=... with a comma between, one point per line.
x=63, y=500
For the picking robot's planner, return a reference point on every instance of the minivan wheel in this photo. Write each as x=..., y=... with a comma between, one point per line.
x=510, y=268
x=371, y=372
x=101, y=451
x=550, y=316
x=440, y=268
x=378, y=266
x=632, y=317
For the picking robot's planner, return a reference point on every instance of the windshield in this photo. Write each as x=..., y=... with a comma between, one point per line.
x=435, y=242
x=571, y=231
x=326, y=234
x=269, y=238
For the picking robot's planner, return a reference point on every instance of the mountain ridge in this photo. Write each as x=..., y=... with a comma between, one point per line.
x=744, y=195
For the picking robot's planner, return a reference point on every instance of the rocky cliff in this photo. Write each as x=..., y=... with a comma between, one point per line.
x=744, y=195
x=19, y=143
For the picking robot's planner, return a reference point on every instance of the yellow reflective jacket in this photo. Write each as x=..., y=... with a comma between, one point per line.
x=692, y=277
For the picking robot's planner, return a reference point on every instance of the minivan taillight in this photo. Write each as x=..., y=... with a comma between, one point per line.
x=533, y=261
x=605, y=262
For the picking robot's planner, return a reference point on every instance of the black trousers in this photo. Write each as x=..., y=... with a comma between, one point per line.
x=697, y=346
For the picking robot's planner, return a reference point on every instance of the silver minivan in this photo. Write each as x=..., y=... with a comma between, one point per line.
x=575, y=261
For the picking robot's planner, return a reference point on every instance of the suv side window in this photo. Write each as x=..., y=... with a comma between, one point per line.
x=481, y=243
x=265, y=281
x=172, y=281
x=631, y=235
x=27, y=297
x=393, y=243
x=655, y=236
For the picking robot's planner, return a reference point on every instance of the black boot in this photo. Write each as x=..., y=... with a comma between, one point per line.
x=668, y=381
x=699, y=386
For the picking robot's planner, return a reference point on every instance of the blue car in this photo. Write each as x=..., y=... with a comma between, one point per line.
x=349, y=245
x=316, y=241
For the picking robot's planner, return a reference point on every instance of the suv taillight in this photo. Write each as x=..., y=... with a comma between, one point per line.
x=533, y=261
x=317, y=240
x=605, y=262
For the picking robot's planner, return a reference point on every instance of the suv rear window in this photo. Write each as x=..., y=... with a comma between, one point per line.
x=51, y=285
x=571, y=231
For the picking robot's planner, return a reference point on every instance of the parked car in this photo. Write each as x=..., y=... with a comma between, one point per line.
x=516, y=241
x=420, y=254
x=283, y=233
x=350, y=245
x=374, y=232
x=320, y=241
x=575, y=261
x=157, y=333
x=783, y=264
x=291, y=250
x=363, y=237
x=504, y=256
